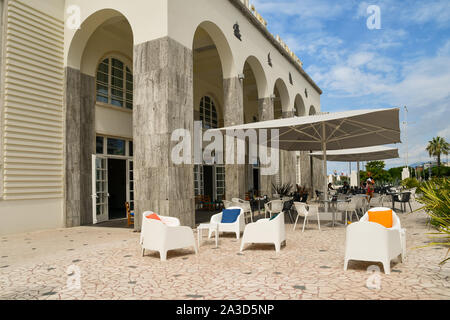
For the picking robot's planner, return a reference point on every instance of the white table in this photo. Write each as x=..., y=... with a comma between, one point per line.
x=208, y=226
x=334, y=203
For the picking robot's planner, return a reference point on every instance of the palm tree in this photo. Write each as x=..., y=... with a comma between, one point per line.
x=436, y=147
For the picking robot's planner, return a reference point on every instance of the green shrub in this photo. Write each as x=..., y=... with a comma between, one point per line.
x=436, y=201
x=410, y=183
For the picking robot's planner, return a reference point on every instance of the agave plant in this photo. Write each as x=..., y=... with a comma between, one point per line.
x=283, y=189
x=436, y=201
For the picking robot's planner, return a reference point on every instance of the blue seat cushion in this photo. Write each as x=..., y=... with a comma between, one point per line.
x=230, y=215
x=274, y=216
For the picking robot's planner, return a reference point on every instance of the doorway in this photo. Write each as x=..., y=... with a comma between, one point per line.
x=256, y=186
x=208, y=176
x=117, y=188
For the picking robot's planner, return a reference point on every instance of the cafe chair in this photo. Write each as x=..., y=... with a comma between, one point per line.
x=163, y=234
x=306, y=212
x=266, y=231
x=130, y=215
x=236, y=226
x=273, y=207
x=377, y=237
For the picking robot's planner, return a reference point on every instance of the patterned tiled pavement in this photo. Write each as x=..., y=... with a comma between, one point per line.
x=41, y=265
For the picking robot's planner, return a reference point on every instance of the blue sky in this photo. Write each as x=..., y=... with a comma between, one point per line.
x=405, y=63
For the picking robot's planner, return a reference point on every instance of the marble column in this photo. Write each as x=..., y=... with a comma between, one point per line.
x=163, y=102
x=266, y=113
x=288, y=161
x=79, y=147
x=234, y=115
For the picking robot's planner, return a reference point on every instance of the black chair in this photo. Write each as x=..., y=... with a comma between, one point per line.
x=304, y=198
x=403, y=199
x=287, y=206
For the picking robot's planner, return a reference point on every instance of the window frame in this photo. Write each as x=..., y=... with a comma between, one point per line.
x=213, y=109
x=127, y=104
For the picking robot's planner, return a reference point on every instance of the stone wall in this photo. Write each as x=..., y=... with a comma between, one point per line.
x=266, y=113
x=163, y=95
x=79, y=147
x=288, y=161
x=234, y=115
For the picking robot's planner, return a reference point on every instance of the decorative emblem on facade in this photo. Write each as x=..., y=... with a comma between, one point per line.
x=269, y=60
x=237, y=31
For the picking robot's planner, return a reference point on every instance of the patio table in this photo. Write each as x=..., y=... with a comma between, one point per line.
x=258, y=200
x=208, y=226
x=334, y=203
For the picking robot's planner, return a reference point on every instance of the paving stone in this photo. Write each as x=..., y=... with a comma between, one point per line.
x=302, y=270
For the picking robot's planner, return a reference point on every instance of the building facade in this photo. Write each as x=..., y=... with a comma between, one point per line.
x=91, y=92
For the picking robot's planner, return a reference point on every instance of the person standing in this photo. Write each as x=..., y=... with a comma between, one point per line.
x=370, y=183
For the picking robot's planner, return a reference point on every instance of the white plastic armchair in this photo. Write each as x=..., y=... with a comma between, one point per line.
x=236, y=227
x=306, y=212
x=266, y=231
x=369, y=241
x=165, y=235
x=273, y=207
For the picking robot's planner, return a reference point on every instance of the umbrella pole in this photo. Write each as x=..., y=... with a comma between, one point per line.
x=324, y=150
x=358, y=175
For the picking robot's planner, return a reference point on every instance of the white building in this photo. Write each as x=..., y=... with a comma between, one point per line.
x=92, y=90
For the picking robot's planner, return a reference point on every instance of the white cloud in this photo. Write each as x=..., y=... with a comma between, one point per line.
x=445, y=133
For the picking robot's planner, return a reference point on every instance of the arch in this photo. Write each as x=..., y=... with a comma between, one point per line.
x=87, y=29
x=299, y=106
x=223, y=48
x=312, y=111
x=260, y=75
x=281, y=88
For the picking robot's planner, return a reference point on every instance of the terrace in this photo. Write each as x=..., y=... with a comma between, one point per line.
x=40, y=265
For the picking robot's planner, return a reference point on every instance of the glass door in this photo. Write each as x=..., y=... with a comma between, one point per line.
x=130, y=184
x=198, y=180
x=99, y=189
x=220, y=182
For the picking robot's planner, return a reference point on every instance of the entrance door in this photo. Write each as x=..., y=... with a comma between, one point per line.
x=208, y=176
x=99, y=189
x=256, y=185
x=117, y=188
x=130, y=184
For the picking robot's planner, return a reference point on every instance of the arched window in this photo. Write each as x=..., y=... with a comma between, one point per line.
x=208, y=113
x=115, y=83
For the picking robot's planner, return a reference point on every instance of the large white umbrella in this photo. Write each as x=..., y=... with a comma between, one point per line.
x=333, y=131
x=359, y=154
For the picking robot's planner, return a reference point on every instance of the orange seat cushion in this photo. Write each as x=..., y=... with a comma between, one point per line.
x=153, y=216
x=383, y=217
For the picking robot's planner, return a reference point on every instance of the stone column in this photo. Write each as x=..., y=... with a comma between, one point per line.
x=305, y=170
x=234, y=115
x=266, y=113
x=318, y=178
x=79, y=147
x=163, y=102
x=288, y=161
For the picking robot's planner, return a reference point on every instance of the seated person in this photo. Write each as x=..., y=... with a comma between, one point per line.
x=345, y=188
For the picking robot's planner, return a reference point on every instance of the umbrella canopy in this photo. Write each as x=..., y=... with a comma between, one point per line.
x=359, y=154
x=340, y=130
x=333, y=131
